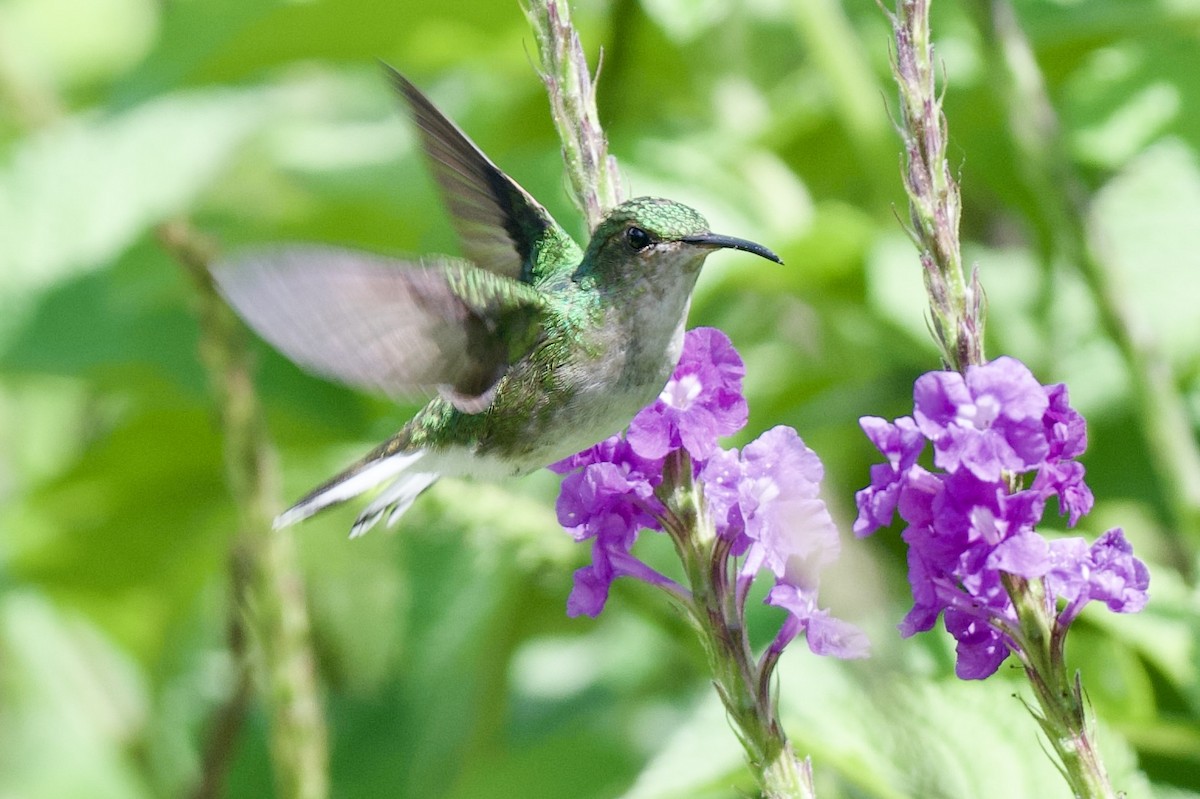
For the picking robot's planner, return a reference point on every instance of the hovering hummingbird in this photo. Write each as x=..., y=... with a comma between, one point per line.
x=532, y=348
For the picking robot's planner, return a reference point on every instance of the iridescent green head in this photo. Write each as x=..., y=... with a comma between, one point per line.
x=649, y=233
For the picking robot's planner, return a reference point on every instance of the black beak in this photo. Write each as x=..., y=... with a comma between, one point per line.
x=715, y=241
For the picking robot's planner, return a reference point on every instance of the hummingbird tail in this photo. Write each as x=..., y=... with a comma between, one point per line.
x=360, y=478
x=394, y=501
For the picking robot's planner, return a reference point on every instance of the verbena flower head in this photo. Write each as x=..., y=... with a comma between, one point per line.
x=763, y=502
x=1002, y=446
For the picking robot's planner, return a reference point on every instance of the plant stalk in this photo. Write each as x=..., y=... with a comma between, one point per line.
x=265, y=572
x=592, y=172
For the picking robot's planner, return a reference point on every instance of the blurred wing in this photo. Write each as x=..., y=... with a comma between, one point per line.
x=394, y=326
x=497, y=220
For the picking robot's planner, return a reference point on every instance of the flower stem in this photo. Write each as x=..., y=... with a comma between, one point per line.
x=957, y=323
x=264, y=572
x=955, y=305
x=1067, y=234
x=712, y=608
x=1062, y=712
x=595, y=182
x=741, y=682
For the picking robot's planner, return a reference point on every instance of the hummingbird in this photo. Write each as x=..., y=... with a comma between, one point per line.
x=530, y=348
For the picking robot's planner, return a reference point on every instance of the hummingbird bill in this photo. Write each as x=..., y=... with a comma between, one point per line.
x=531, y=348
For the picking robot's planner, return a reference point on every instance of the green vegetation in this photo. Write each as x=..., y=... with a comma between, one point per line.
x=444, y=661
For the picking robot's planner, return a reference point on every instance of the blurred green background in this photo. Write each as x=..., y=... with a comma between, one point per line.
x=447, y=666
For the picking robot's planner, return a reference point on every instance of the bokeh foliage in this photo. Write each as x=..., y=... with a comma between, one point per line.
x=447, y=665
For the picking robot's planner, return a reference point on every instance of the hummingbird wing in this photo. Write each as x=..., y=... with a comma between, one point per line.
x=381, y=324
x=498, y=222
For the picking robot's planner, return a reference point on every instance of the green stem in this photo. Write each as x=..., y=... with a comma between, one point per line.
x=717, y=620
x=1063, y=712
x=780, y=774
x=595, y=181
x=265, y=573
x=228, y=721
x=1062, y=203
x=958, y=325
x=955, y=305
x=711, y=609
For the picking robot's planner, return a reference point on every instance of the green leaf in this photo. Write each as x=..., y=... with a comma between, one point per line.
x=700, y=757
x=76, y=195
x=134, y=530
x=71, y=696
x=1148, y=215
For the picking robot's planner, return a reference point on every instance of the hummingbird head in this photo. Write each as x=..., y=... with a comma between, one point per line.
x=657, y=241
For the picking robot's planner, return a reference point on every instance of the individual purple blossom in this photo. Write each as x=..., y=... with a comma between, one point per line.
x=610, y=559
x=974, y=518
x=981, y=648
x=1064, y=479
x=1066, y=438
x=782, y=512
x=1115, y=576
x=825, y=634
x=600, y=495
x=900, y=444
x=701, y=402
x=770, y=494
x=988, y=422
x=1066, y=429
x=1107, y=571
x=608, y=501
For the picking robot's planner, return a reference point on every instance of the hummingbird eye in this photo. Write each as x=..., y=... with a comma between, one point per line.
x=638, y=239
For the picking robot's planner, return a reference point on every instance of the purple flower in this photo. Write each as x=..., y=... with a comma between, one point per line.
x=769, y=496
x=825, y=634
x=601, y=494
x=592, y=583
x=1026, y=554
x=1107, y=571
x=612, y=480
x=988, y=422
x=609, y=500
x=1064, y=479
x=1066, y=435
x=975, y=519
x=721, y=477
x=1066, y=429
x=764, y=502
x=981, y=649
x=767, y=501
x=778, y=498
x=610, y=549
x=1118, y=578
x=900, y=443
x=927, y=601
x=701, y=402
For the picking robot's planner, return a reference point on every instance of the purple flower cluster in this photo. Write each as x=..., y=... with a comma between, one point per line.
x=763, y=502
x=975, y=518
